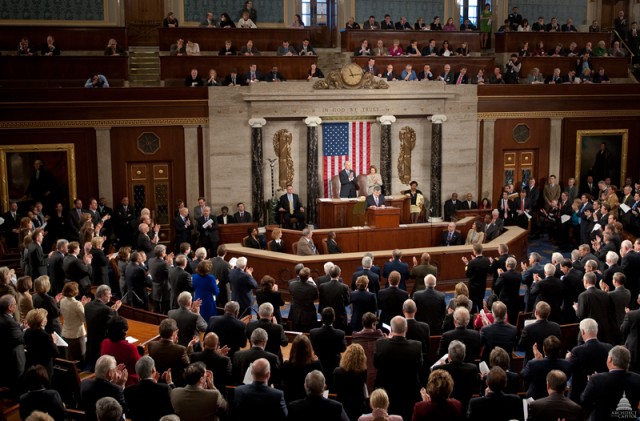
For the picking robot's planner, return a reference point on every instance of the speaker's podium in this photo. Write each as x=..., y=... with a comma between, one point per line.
x=383, y=217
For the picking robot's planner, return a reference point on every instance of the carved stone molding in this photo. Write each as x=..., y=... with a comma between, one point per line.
x=313, y=121
x=257, y=123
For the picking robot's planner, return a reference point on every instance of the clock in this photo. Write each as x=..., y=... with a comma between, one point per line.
x=352, y=75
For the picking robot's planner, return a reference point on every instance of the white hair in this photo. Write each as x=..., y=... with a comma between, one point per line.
x=104, y=364
x=612, y=257
x=328, y=266
x=241, y=263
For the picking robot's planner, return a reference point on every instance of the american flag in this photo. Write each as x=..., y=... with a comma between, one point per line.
x=345, y=142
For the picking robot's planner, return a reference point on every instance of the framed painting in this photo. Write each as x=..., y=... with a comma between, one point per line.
x=601, y=154
x=31, y=173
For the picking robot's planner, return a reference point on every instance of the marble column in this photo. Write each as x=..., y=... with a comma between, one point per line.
x=257, y=185
x=555, y=144
x=385, y=151
x=105, y=175
x=192, y=171
x=486, y=154
x=313, y=179
x=436, y=165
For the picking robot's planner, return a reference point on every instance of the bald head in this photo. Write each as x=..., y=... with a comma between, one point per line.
x=399, y=326
x=211, y=340
x=261, y=370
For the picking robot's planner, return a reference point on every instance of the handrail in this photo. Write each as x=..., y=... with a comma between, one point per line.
x=624, y=44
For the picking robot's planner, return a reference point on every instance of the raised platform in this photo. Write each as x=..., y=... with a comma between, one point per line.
x=447, y=259
x=342, y=213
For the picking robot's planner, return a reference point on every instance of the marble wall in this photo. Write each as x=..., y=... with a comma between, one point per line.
x=228, y=140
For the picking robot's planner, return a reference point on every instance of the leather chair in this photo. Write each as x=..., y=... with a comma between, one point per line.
x=294, y=247
x=325, y=247
x=361, y=182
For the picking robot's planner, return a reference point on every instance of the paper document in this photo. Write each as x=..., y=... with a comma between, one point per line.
x=441, y=361
x=248, y=378
x=527, y=215
x=59, y=341
x=565, y=218
x=596, y=227
x=131, y=339
x=525, y=407
x=207, y=224
x=625, y=208
x=529, y=321
x=1, y=220
x=484, y=368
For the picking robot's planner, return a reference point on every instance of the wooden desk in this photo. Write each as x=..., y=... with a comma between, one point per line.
x=176, y=69
x=447, y=259
x=234, y=233
x=613, y=66
x=143, y=332
x=473, y=64
x=383, y=217
x=212, y=39
x=338, y=213
x=67, y=38
x=352, y=39
x=510, y=42
x=62, y=70
x=475, y=213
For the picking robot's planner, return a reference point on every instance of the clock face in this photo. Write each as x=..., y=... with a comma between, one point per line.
x=352, y=74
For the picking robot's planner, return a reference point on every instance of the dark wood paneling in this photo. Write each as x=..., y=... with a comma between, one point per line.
x=101, y=104
x=613, y=66
x=351, y=40
x=234, y=233
x=67, y=38
x=212, y=39
x=178, y=68
x=473, y=64
x=124, y=149
x=84, y=141
x=61, y=70
x=531, y=98
x=538, y=141
x=510, y=42
x=339, y=213
x=572, y=125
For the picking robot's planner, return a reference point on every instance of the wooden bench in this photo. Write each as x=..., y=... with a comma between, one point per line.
x=61, y=71
x=352, y=39
x=212, y=39
x=613, y=66
x=67, y=38
x=473, y=64
x=510, y=42
x=174, y=70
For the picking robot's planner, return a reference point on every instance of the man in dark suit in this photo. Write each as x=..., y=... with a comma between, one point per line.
x=461, y=78
x=548, y=290
x=494, y=227
x=179, y=280
x=589, y=187
x=477, y=270
x=315, y=406
x=631, y=267
x=495, y=405
x=507, y=288
x=335, y=294
x=605, y=392
x=253, y=75
x=73, y=221
x=506, y=209
x=188, y=319
x=97, y=314
x=375, y=200
x=419, y=272
x=451, y=206
x=166, y=352
x=229, y=329
x=348, y=184
x=243, y=359
x=56, y=266
x=620, y=296
x=522, y=207
x=139, y=395
x=159, y=267
x=11, y=224
x=242, y=285
x=108, y=382
x=124, y=216
x=220, y=269
x=224, y=218
x=182, y=226
x=431, y=305
x=556, y=405
x=417, y=331
x=242, y=216
x=328, y=343
x=587, y=358
x=468, y=203
x=596, y=304
x=535, y=333
x=465, y=375
x=451, y=237
x=535, y=371
x=396, y=265
x=500, y=262
x=208, y=229
x=390, y=299
x=214, y=359
x=275, y=332
x=12, y=345
x=77, y=270
x=499, y=333
x=291, y=206
x=399, y=363
x=254, y=401
x=302, y=313
x=37, y=258
x=366, y=270
x=528, y=270
x=137, y=281
x=630, y=330
x=469, y=337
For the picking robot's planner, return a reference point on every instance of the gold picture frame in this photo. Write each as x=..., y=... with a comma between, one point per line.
x=16, y=161
x=588, y=143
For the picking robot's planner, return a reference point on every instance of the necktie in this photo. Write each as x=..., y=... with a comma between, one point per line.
x=450, y=236
x=253, y=76
x=635, y=206
x=505, y=209
x=233, y=81
x=241, y=215
x=291, y=204
x=459, y=82
x=522, y=205
x=79, y=212
x=376, y=197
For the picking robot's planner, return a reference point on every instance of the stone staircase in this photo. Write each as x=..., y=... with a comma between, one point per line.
x=144, y=67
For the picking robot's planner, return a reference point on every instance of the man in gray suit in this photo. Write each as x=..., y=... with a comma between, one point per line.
x=305, y=244
x=188, y=318
x=159, y=267
x=199, y=399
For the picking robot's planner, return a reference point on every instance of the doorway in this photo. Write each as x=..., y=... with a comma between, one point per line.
x=149, y=186
x=517, y=167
